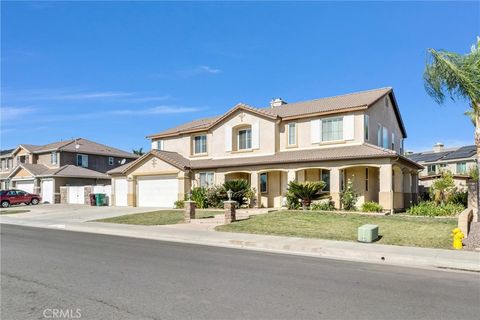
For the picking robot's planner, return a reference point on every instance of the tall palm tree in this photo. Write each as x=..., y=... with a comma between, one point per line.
x=138, y=152
x=458, y=76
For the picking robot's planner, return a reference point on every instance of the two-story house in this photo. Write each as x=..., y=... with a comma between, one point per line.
x=356, y=136
x=459, y=161
x=44, y=169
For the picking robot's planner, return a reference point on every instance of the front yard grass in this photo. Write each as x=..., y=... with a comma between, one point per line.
x=160, y=217
x=395, y=230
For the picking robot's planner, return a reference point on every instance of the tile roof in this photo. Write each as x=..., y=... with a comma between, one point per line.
x=464, y=152
x=6, y=152
x=173, y=158
x=362, y=99
x=71, y=171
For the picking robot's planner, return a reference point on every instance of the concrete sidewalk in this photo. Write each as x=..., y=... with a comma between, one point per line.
x=351, y=251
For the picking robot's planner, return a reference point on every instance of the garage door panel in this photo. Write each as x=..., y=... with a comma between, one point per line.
x=121, y=190
x=47, y=191
x=27, y=186
x=157, y=191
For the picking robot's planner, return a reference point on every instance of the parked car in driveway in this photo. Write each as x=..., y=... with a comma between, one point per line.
x=10, y=197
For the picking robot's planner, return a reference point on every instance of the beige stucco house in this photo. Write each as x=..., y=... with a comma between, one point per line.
x=357, y=136
x=44, y=169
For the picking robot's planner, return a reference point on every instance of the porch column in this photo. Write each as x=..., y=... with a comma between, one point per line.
x=301, y=176
x=131, y=193
x=335, y=186
x=385, y=196
x=407, y=188
x=414, y=189
x=291, y=175
x=254, y=184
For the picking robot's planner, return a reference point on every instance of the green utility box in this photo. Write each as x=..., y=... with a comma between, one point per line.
x=100, y=199
x=368, y=233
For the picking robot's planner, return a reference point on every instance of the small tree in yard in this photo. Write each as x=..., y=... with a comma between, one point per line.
x=241, y=190
x=349, y=197
x=442, y=188
x=306, y=192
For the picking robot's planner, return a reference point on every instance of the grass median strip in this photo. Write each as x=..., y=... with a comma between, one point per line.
x=160, y=217
x=12, y=211
x=394, y=230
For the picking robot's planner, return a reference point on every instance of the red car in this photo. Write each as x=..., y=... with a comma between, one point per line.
x=9, y=197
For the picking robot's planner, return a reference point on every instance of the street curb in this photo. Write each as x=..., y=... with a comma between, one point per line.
x=424, y=258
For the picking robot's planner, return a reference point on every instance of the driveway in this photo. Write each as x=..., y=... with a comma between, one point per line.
x=70, y=212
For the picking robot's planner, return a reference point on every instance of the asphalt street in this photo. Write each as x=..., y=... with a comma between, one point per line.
x=89, y=276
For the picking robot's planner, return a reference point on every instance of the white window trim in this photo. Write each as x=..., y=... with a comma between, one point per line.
x=53, y=157
x=206, y=173
x=321, y=130
x=238, y=138
x=266, y=182
x=295, y=134
x=206, y=144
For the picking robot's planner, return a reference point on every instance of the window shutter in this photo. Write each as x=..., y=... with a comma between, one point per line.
x=228, y=138
x=256, y=134
x=348, y=127
x=315, y=129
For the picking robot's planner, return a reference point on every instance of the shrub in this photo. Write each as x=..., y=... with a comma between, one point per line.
x=459, y=197
x=371, y=206
x=199, y=195
x=430, y=208
x=442, y=188
x=306, y=192
x=349, y=197
x=293, y=203
x=241, y=189
x=328, y=205
x=179, y=204
x=215, y=196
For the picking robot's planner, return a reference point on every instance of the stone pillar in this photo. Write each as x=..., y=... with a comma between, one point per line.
x=385, y=196
x=291, y=175
x=254, y=184
x=335, y=186
x=189, y=212
x=63, y=194
x=86, y=194
x=230, y=212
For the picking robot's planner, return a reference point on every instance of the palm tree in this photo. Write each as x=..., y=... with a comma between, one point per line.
x=458, y=76
x=306, y=192
x=138, y=152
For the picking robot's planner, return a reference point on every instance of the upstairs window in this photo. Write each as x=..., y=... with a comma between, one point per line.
x=332, y=129
x=264, y=182
x=461, y=167
x=200, y=144
x=432, y=169
x=245, y=139
x=82, y=160
x=206, y=179
x=366, y=126
x=157, y=144
x=385, y=138
x=110, y=161
x=379, y=135
x=292, y=134
x=393, y=141
x=53, y=158
x=402, y=146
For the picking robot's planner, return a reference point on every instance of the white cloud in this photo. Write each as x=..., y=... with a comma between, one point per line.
x=12, y=113
x=208, y=69
x=203, y=69
x=155, y=110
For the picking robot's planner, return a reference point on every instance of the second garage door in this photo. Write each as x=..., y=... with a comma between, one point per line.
x=157, y=191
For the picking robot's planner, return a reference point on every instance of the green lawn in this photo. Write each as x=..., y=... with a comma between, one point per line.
x=12, y=211
x=158, y=217
x=403, y=231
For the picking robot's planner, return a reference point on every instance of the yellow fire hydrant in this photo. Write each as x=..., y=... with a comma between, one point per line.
x=457, y=236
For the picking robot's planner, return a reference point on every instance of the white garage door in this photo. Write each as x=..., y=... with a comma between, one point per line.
x=121, y=190
x=47, y=191
x=76, y=195
x=26, y=186
x=157, y=191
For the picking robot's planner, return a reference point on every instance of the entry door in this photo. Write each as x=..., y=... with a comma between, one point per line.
x=157, y=191
x=47, y=191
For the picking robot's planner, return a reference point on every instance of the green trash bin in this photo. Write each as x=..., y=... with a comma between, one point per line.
x=100, y=199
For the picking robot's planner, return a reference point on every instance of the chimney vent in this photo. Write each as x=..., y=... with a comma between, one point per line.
x=438, y=147
x=277, y=102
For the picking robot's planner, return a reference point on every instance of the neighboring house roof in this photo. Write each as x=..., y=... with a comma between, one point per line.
x=6, y=152
x=70, y=171
x=341, y=103
x=446, y=155
x=362, y=151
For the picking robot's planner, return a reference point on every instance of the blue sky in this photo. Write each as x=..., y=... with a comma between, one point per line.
x=116, y=72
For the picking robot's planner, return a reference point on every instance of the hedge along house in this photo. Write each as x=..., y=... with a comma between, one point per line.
x=357, y=136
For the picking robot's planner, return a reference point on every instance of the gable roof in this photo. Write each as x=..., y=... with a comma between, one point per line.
x=464, y=152
x=341, y=103
x=172, y=158
x=70, y=171
x=6, y=152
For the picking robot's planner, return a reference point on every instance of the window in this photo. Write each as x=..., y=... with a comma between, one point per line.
x=366, y=126
x=7, y=183
x=292, y=134
x=385, y=138
x=244, y=139
x=332, y=129
x=206, y=179
x=157, y=144
x=263, y=183
x=366, y=179
x=82, y=160
x=326, y=179
x=110, y=161
x=53, y=157
x=432, y=169
x=461, y=167
x=402, y=146
x=393, y=141
x=9, y=163
x=12, y=193
x=379, y=135
x=200, y=144
x=26, y=158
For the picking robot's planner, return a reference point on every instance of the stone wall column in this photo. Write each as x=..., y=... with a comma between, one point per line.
x=88, y=190
x=189, y=212
x=63, y=194
x=230, y=211
x=335, y=186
